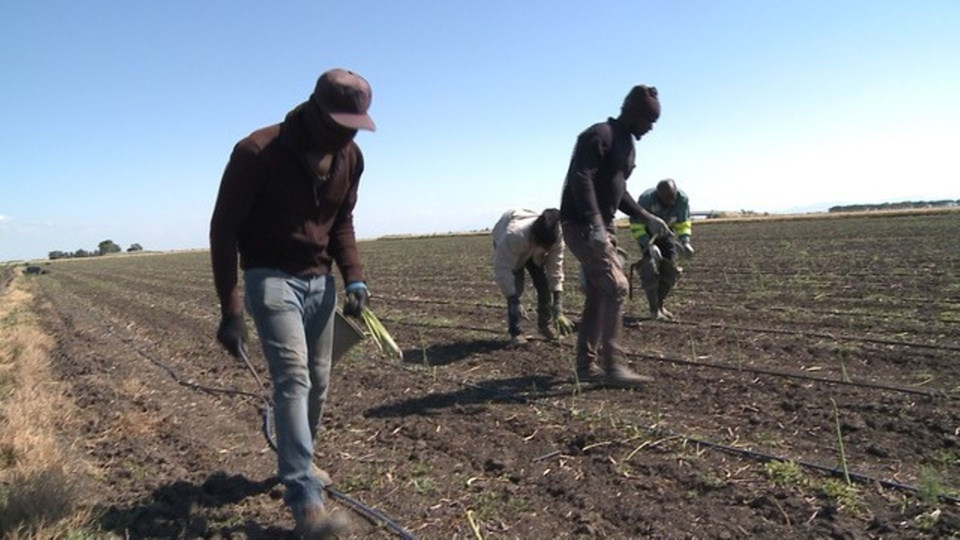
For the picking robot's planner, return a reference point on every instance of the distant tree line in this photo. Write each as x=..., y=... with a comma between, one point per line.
x=104, y=248
x=718, y=214
x=906, y=205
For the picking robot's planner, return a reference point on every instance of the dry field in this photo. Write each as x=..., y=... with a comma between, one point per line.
x=810, y=388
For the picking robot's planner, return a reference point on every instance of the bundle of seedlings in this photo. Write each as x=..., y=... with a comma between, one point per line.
x=378, y=332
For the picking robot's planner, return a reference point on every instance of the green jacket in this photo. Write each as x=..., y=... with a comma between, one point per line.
x=677, y=216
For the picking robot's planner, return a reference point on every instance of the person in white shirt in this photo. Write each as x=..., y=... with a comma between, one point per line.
x=527, y=241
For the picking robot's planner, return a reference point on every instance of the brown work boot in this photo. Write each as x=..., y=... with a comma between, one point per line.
x=315, y=522
x=620, y=376
x=589, y=373
x=322, y=476
x=546, y=330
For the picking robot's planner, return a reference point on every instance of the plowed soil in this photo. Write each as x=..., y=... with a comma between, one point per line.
x=802, y=349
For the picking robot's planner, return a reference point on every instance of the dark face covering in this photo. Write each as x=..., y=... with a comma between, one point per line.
x=326, y=134
x=640, y=110
x=637, y=124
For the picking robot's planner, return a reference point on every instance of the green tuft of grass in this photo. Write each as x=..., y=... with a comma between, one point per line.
x=930, y=488
x=844, y=494
x=786, y=474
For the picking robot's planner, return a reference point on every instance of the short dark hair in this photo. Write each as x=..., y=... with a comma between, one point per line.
x=546, y=228
x=667, y=184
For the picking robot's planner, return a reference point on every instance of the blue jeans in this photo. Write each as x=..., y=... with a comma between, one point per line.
x=294, y=318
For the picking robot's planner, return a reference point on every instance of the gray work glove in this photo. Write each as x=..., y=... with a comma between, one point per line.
x=654, y=252
x=357, y=296
x=599, y=238
x=685, y=245
x=232, y=333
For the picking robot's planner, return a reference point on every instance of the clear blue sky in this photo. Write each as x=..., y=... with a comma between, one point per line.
x=118, y=116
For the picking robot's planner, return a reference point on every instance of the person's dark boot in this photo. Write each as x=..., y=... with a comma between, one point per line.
x=662, y=292
x=669, y=276
x=513, y=315
x=545, y=316
x=589, y=372
x=546, y=330
x=653, y=300
x=620, y=376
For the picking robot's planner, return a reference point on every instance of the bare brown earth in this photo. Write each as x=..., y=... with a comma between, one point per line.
x=788, y=332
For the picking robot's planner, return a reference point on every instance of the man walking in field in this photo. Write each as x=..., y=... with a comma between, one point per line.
x=594, y=189
x=525, y=241
x=659, y=269
x=285, y=206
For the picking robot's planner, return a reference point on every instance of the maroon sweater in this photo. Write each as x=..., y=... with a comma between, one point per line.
x=276, y=212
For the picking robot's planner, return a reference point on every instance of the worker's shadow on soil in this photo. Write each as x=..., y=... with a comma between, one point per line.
x=443, y=354
x=474, y=397
x=174, y=510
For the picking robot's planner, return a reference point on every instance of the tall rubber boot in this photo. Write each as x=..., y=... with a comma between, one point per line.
x=544, y=299
x=653, y=299
x=545, y=316
x=665, y=289
x=650, y=279
x=669, y=275
x=588, y=368
x=513, y=320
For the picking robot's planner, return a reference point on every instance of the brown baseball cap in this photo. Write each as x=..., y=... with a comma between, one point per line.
x=346, y=97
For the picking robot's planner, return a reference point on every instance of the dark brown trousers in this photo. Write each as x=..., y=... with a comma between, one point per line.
x=606, y=290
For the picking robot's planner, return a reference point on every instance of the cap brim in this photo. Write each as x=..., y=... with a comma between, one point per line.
x=354, y=121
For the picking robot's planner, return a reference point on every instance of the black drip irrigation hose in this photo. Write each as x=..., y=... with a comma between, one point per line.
x=724, y=326
x=759, y=371
x=173, y=374
x=753, y=454
x=802, y=376
x=369, y=513
x=372, y=515
x=380, y=519
x=827, y=335
x=833, y=471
